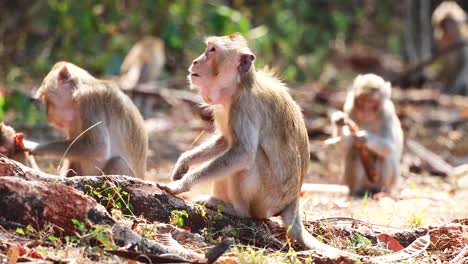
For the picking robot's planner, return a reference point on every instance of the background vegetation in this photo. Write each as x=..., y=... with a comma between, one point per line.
x=296, y=37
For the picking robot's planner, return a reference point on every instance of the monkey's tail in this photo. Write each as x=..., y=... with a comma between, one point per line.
x=291, y=217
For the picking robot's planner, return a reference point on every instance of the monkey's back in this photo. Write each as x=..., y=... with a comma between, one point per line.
x=126, y=127
x=283, y=152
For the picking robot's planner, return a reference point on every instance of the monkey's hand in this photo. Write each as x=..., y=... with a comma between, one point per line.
x=360, y=138
x=174, y=187
x=180, y=169
x=339, y=118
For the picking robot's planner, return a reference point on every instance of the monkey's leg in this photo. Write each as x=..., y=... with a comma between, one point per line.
x=117, y=166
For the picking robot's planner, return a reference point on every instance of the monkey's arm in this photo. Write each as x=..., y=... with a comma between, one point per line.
x=213, y=147
x=94, y=145
x=237, y=158
x=341, y=130
x=379, y=145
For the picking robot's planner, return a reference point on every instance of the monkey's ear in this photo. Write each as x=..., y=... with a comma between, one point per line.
x=64, y=75
x=245, y=62
x=19, y=140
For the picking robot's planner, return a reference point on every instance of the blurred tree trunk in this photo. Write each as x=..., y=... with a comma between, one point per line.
x=417, y=30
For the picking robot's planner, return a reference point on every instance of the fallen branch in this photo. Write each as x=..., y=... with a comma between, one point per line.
x=367, y=162
x=436, y=163
x=154, y=204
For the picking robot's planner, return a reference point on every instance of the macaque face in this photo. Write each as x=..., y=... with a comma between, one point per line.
x=450, y=32
x=56, y=93
x=216, y=72
x=367, y=107
x=60, y=110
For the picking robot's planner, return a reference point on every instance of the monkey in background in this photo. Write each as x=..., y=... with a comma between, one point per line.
x=143, y=63
x=369, y=106
x=105, y=131
x=449, y=23
x=13, y=146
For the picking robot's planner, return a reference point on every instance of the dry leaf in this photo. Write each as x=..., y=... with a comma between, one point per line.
x=391, y=243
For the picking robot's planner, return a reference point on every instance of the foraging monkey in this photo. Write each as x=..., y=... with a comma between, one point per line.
x=143, y=63
x=12, y=145
x=368, y=105
x=450, y=28
x=105, y=132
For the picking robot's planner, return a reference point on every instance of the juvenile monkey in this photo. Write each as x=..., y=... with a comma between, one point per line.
x=143, y=63
x=368, y=105
x=450, y=28
x=12, y=145
x=105, y=133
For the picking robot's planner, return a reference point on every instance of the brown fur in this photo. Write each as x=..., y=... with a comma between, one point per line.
x=118, y=145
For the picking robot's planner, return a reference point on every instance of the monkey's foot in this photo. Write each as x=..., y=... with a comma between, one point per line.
x=217, y=204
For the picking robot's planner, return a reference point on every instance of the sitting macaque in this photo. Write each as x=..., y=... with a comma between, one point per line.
x=105, y=132
x=143, y=63
x=450, y=28
x=259, y=154
x=12, y=145
x=369, y=121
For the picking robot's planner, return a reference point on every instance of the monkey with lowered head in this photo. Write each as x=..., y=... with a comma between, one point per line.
x=105, y=133
x=369, y=106
x=12, y=145
x=259, y=156
x=450, y=28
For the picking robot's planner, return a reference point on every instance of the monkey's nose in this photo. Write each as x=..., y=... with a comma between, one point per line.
x=195, y=62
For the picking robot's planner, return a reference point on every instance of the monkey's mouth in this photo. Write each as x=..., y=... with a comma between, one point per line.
x=194, y=75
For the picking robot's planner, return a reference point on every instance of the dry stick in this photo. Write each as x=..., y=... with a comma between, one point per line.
x=367, y=163
x=74, y=140
x=418, y=67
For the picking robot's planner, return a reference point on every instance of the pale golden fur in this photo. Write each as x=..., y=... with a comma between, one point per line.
x=383, y=136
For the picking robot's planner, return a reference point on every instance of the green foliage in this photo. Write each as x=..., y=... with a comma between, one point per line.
x=294, y=36
x=112, y=196
x=177, y=217
x=99, y=233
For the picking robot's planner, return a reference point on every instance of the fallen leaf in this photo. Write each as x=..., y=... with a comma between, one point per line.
x=35, y=254
x=390, y=242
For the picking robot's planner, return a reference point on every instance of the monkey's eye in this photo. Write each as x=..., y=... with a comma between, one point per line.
x=212, y=49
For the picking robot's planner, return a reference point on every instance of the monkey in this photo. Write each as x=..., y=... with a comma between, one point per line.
x=143, y=63
x=450, y=28
x=12, y=145
x=259, y=155
x=105, y=132
x=369, y=106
